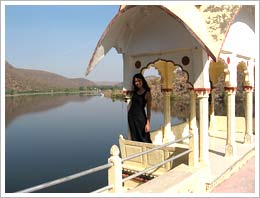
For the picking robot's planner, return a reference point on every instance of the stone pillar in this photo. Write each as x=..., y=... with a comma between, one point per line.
x=248, y=139
x=167, y=130
x=166, y=71
x=203, y=95
x=231, y=122
x=194, y=141
x=212, y=127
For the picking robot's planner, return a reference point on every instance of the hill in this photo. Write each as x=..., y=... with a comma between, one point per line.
x=108, y=83
x=31, y=80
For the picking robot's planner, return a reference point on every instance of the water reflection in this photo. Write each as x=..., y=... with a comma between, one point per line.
x=56, y=136
x=49, y=137
x=16, y=106
x=20, y=105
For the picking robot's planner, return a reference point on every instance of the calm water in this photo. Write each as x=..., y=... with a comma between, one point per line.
x=49, y=137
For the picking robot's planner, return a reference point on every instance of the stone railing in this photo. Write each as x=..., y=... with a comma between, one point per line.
x=115, y=167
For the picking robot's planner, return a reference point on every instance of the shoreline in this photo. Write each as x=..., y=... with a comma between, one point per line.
x=52, y=93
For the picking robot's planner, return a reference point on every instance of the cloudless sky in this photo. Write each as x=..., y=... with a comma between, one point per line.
x=60, y=39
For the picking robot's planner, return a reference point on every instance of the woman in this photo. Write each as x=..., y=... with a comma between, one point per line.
x=138, y=120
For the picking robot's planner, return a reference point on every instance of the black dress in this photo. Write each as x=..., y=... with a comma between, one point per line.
x=137, y=119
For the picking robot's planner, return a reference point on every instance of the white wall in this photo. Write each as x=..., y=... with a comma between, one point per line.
x=241, y=37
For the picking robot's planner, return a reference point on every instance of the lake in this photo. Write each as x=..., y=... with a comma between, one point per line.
x=53, y=136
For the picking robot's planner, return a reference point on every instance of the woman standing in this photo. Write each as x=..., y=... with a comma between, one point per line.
x=138, y=120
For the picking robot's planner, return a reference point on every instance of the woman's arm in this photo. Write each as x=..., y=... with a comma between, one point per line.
x=148, y=98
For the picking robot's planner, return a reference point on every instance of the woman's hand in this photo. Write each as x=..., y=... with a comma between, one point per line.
x=147, y=127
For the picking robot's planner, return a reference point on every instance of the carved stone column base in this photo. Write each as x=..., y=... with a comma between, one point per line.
x=248, y=139
x=169, y=136
x=230, y=151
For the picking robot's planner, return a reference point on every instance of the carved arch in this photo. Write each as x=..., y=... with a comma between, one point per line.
x=216, y=69
x=169, y=63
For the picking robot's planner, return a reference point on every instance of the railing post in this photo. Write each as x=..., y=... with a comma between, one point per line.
x=115, y=171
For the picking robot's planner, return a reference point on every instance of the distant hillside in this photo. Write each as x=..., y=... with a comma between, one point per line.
x=107, y=83
x=28, y=80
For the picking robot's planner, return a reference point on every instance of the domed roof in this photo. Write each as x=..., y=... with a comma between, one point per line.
x=208, y=24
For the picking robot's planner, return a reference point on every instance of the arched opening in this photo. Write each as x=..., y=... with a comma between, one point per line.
x=180, y=96
x=153, y=78
x=242, y=80
x=218, y=74
x=179, y=88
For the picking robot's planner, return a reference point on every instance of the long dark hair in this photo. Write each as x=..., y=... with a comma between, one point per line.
x=145, y=84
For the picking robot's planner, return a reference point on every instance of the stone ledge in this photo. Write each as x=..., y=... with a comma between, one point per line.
x=182, y=179
x=232, y=169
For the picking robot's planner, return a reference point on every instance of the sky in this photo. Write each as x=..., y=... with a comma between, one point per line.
x=60, y=39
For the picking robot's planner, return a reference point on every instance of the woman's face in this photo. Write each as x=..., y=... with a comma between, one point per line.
x=138, y=83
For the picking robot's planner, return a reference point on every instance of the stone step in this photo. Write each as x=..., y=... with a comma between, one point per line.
x=182, y=179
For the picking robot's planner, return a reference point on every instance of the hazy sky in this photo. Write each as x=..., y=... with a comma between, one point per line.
x=60, y=39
